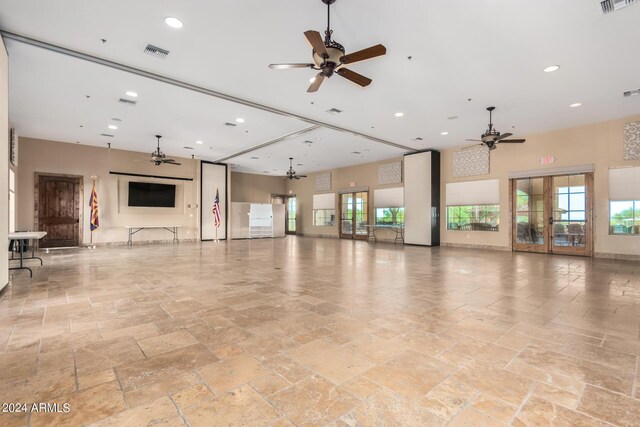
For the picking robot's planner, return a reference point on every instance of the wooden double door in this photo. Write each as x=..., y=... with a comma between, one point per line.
x=59, y=210
x=553, y=214
x=354, y=215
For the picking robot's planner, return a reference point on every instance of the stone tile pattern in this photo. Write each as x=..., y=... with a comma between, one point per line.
x=471, y=162
x=268, y=333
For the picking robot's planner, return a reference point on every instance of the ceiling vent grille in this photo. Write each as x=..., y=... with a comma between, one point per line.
x=230, y=124
x=107, y=135
x=334, y=111
x=127, y=101
x=609, y=6
x=156, y=51
x=635, y=92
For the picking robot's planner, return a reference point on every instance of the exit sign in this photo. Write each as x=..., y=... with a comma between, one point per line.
x=546, y=160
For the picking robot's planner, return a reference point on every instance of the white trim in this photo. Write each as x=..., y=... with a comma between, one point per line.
x=567, y=170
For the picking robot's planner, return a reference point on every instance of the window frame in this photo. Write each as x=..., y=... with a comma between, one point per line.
x=397, y=224
x=496, y=227
x=326, y=224
x=635, y=206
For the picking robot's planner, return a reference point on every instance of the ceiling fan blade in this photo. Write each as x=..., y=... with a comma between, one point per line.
x=315, y=39
x=315, y=85
x=474, y=140
x=287, y=66
x=512, y=141
x=170, y=162
x=472, y=146
x=358, y=79
x=503, y=136
x=361, y=55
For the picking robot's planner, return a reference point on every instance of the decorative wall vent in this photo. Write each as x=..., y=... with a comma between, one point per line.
x=632, y=141
x=390, y=173
x=471, y=162
x=323, y=181
x=156, y=51
x=609, y=6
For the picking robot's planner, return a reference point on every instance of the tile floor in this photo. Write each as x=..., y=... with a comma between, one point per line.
x=303, y=331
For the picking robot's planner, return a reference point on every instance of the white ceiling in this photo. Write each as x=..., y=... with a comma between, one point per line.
x=490, y=51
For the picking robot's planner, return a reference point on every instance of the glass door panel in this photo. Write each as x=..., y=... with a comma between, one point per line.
x=361, y=217
x=291, y=215
x=346, y=215
x=569, y=204
x=529, y=210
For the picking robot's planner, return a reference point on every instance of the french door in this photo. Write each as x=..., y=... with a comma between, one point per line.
x=553, y=214
x=354, y=215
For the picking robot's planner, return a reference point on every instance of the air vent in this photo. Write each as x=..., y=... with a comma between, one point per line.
x=307, y=142
x=334, y=111
x=156, y=51
x=187, y=148
x=419, y=138
x=115, y=119
x=127, y=101
x=609, y=6
x=230, y=124
x=632, y=93
x=255, y=158
x=107, y=135
x=356, y=152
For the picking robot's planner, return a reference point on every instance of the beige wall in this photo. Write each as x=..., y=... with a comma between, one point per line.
x=4, y=166
x=252, y=188
x=341, y=179
x=62, y=158
x=600, y=144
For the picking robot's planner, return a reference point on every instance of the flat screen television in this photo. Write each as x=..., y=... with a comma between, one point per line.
x=146, y=194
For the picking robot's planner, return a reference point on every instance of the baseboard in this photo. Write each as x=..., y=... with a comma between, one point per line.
x=471, y=246
x=624, y=257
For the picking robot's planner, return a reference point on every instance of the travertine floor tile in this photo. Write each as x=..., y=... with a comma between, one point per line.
x=274, y=332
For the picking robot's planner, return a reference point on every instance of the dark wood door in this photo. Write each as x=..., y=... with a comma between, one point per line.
x=59, y=211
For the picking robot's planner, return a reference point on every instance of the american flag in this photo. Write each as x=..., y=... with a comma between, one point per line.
x=216, y=210
x=93, y=202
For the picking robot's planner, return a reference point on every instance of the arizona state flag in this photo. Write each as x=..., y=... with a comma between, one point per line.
x=93, y=202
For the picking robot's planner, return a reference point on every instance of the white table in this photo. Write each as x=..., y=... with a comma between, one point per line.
x=133, y=229
x=397, y=229
x=32, y=236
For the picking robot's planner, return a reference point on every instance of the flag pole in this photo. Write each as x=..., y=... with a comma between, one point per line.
x=91, y=245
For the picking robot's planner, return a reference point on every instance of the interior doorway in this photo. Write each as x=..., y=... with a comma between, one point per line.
x=354, y=215
x=58, y=210
x=553, y=214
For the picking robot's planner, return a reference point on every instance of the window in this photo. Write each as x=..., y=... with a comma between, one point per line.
x=324, y=217
x=473, y=217
x=389, y=216
x=624, y=217
x=324, y=210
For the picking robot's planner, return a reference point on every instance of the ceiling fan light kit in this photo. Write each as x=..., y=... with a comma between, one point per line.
x=158, y=158
x=491, y=137
x=330, y=57
x=291, y=174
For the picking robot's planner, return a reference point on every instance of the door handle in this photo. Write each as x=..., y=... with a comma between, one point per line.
x=550, y=220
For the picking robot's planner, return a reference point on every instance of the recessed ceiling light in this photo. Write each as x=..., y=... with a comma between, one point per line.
x=199, y=142
x=551, y=68
x=173, y=22
x=575, y=105
x=399, y=114
x=240, y=120
x=131, y=94
x=114, y=127
x=444, y=133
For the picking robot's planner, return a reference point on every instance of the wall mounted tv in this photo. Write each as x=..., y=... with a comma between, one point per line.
x=149, y=195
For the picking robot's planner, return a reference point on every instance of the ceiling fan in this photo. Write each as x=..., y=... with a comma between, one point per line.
x=491, y=138
x=329, y=57
x=291, y=174
x=158, y=157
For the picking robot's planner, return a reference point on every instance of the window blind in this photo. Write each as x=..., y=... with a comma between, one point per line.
x=624, y=183
x=324, y=201
x=485, y=192
x=388, y=198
